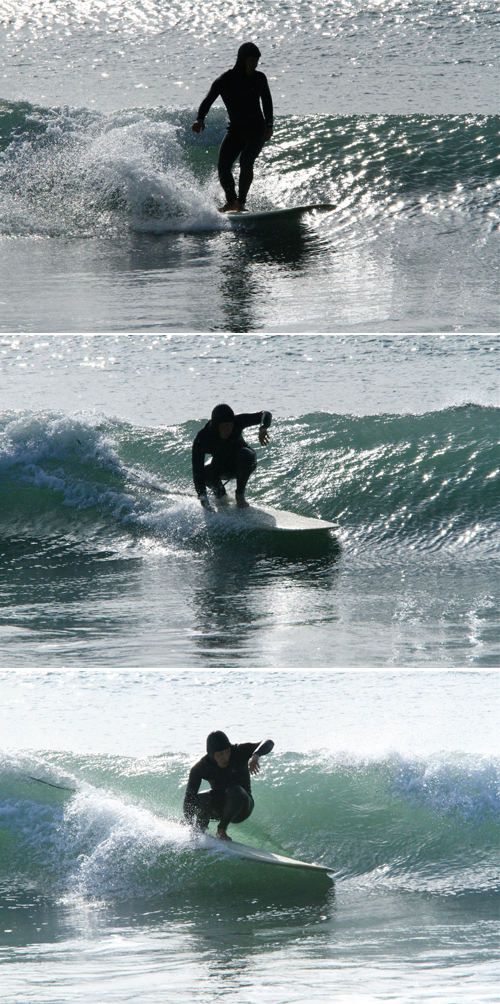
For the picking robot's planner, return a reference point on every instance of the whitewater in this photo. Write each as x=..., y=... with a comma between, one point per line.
x=130, y=627
x=108, y=201
x=390, y=779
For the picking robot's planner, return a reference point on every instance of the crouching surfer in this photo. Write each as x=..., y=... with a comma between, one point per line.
x=232, y=457
x=227, y=768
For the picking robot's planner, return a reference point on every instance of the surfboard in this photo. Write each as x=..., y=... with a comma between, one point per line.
x=260, y=517
x=294, y=212
x=232, y=849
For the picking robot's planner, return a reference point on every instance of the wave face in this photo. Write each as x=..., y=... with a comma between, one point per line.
x=103, y=827
x=418, y=483
x=75, y=172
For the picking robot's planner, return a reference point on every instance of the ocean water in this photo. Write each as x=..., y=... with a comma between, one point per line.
x=389, y=778
x=131, y=624
x=110, y=560
x=108, y=201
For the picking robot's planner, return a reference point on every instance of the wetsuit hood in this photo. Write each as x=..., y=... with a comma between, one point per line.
x=216, y=742
x=244, y=51
x=221, y=413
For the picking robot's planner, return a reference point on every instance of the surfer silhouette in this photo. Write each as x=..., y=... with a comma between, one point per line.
x=232, y=457
x=227, y=768
x=246, y=95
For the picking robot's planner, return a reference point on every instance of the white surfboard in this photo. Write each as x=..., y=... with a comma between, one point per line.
x=232, y=849
x=294, y=212
x=259, y=517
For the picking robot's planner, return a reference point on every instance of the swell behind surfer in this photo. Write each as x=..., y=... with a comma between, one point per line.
x=232, y=457
x=227, y=768
x=246, y=95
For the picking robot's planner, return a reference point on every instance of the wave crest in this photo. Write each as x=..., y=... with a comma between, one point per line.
x=422, y=824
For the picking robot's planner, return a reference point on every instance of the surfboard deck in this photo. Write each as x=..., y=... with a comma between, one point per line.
x=294, y=212
x=266, y=518
x=232, y=849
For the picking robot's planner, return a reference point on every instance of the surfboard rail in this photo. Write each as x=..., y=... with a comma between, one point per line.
x=231, y=848
x=261, y=517
x=291, y=212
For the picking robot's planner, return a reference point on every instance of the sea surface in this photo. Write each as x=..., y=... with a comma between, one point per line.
x=131, y=623
x=108, y=201
x=389, y=778
x=109, y=558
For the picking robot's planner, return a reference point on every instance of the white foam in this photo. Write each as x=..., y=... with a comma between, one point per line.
x=93, y=173
x=116, y=844
x=33, y=438
x=143, y=160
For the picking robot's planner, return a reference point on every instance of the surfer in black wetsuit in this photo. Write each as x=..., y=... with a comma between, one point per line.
x=243, y=90
x=232, y=456
x=227, y=769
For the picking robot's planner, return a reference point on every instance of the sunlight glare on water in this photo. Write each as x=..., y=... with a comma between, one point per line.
x=369, y=56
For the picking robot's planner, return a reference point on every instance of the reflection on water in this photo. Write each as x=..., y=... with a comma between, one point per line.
x=57, y=590
x=357, y=277
x=287, y=247
x=241, y=951
x=279, y=908
x=237, y=588
x=62, y=596
x=291, y=246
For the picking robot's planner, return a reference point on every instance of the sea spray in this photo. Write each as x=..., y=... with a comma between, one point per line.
x=427, y=824
x=75, y=172
x=418, y=482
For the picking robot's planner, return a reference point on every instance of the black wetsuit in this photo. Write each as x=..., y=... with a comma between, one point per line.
x=232, y=457
x=230, y=798
x=242, y=93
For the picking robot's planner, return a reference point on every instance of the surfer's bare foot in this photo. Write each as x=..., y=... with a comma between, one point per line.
x=231, y=207
x=221, y=834
x=241, y=501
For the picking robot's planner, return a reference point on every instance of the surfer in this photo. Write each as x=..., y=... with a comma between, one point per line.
x=227, y=768
x=232, y=457
x=243, y=90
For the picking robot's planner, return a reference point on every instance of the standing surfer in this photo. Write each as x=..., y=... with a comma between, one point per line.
x=227, y=768
x=243, y=90
x=232, y=457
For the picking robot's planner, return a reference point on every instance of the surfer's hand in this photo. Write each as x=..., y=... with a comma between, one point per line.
x=198, y=126
x=269, y=133
x=253, y=764
x=263, y=436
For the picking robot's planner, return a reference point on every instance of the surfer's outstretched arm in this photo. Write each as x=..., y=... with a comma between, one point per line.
x=205, y=106
x=265, y=747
